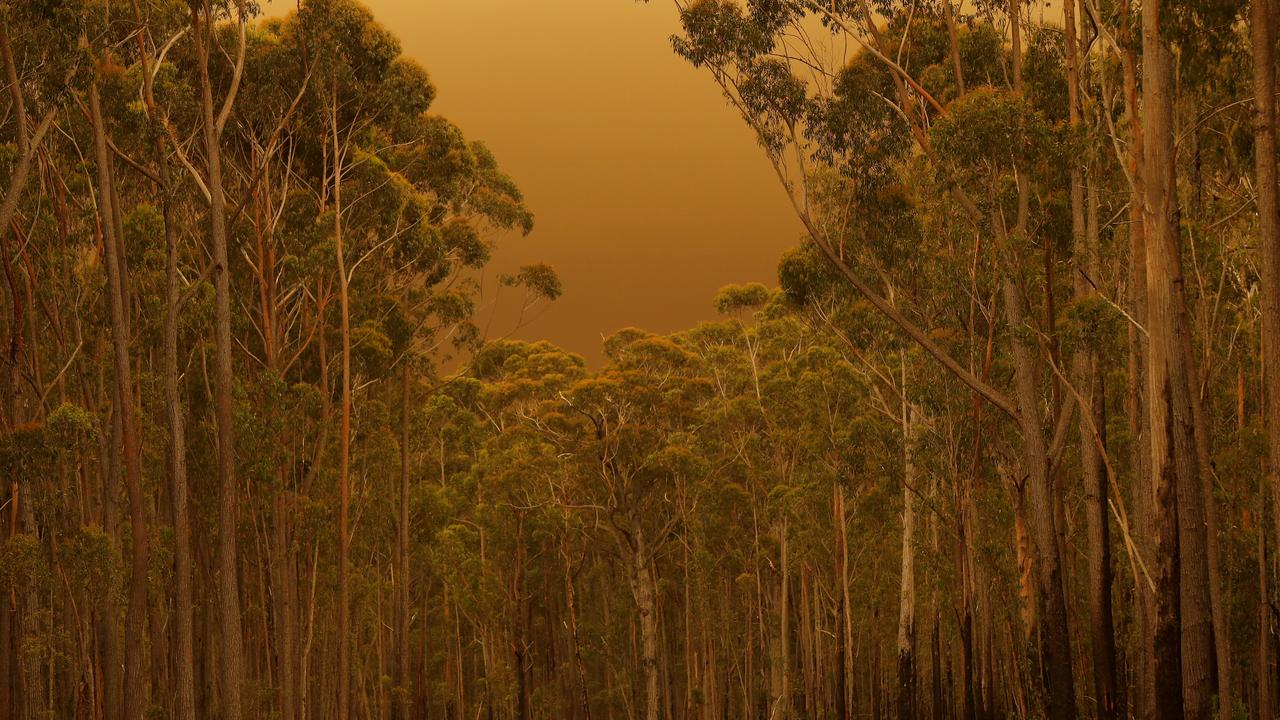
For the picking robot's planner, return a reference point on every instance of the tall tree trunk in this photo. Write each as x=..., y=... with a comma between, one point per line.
x=184, y=643
x=571, y=608
x=1053, y=620
x=404, y=681
x=1173, y=462
x=1143, y=698
x=107, y=629
x=135, y=692
x=780, y=703
x=344, y=466
x=1262, y=19
x=1092, y=421
x=1055, y=638
x=1264, y=708
x=645, y=593
x=907, y=585
x=231, y=661
x=520, y=629
x=1218, y=650
x=9, y=694
x=845, y=680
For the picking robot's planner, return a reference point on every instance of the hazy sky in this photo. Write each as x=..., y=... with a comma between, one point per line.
x=648, y=190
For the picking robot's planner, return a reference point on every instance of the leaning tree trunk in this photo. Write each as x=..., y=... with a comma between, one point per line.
x=28, y=140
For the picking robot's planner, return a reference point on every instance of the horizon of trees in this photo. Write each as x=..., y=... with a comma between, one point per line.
x=1003, y=442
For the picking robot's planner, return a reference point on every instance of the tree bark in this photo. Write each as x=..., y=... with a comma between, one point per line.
x=571, y=609
x=184, y=644
x=907, y=584
x=1143, y=698
x=135, y=693
x=845, y=680
x=1264, y=708
x=1173, y=463
x=344, y=466
x=645, y=593
x=1262, y=27
x=1087, y=376
x=402, y=705
x=780, y=702
x=1053, y=620
x=232, y=643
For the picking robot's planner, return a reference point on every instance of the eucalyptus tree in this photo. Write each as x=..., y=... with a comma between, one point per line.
x=38, y=64
x=917, y=104
x=198, y=121
x=635, y=454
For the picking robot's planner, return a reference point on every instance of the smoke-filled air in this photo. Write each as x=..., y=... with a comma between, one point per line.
x=618, y=360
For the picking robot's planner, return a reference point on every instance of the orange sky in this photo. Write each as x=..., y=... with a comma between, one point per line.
x=649, y=192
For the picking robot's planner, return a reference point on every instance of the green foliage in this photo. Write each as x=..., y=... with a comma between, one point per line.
x=735, y=298
x=22, y=564
x=70, y=428
x=989, y=130
x=26, y=454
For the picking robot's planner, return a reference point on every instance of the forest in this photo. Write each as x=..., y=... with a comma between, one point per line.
x=1001, y=441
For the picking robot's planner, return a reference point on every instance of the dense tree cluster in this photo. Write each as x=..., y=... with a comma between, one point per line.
x=1071, y=210
x=1005, y=442
x=234, y=252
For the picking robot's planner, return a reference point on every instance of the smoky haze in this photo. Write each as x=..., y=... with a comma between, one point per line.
x=649, y=191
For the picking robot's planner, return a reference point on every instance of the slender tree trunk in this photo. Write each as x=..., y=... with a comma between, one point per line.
x=1218, y=648
x=1144, y=698
x=571, y=607
x=1264, y=708
x=907, y=586
x=846, y=678
x=29, y=140
x=232, y=643
x=135, y=693
x=184, y=690
x=107, y=628
x=1055, y=639
x=344, y=467
x=781, y=702
x=184, y=644
x=520, y=629
x=9, y=694
x=1085, y=366
x=404, y=681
